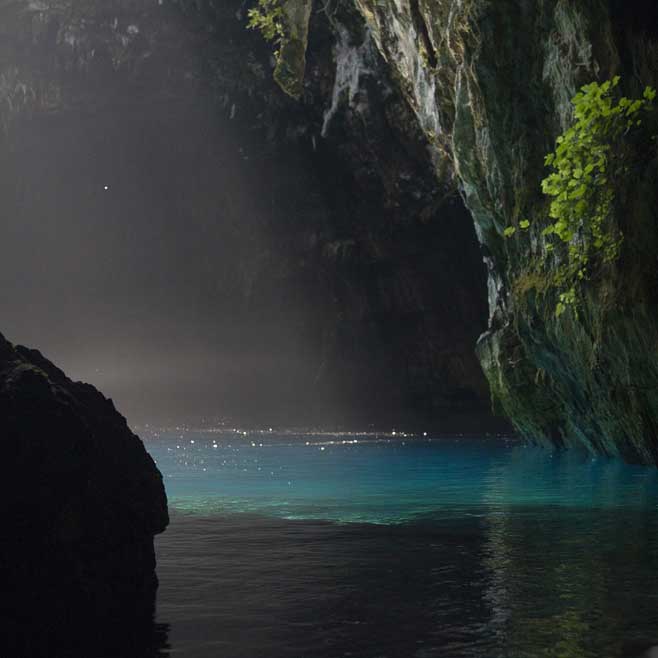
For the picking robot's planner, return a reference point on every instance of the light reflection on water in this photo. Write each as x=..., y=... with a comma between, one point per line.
x=404, y=547
x=362, y=478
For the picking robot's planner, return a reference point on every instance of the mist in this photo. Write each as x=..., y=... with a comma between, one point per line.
x=180, y=234
x=131, y=238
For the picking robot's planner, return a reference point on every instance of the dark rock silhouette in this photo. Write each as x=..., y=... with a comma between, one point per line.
x=81, y=502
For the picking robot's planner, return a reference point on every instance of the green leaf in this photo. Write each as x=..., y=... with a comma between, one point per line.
x=589, y=163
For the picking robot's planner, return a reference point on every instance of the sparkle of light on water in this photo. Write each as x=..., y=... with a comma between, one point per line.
x=294, y=545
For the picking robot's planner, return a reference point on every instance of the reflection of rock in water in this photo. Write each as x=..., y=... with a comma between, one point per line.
x=81, y=502
x=572, y=563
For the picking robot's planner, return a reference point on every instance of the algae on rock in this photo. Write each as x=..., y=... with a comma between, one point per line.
x=285, y=23
x=291, y=61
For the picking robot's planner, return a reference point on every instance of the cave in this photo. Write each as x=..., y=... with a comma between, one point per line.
x=308, y=248
x=330, y=280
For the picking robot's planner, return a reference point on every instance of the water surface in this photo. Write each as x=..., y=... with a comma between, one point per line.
x=311, y=545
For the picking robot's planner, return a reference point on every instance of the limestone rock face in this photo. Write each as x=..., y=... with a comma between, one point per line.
x=81, y=502
x=489, y=85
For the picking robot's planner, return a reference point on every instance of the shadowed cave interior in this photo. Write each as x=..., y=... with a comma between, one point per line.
x=219, y=265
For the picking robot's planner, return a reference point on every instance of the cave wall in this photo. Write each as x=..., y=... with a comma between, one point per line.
x=489, y=85
x=379, y=262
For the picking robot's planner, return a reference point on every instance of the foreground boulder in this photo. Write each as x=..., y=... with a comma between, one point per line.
x=81, y=501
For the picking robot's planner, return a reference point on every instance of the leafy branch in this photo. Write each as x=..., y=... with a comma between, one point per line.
x=267, y=17
x=591, y=161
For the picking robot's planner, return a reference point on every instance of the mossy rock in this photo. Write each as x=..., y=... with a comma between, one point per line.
x=291, y=60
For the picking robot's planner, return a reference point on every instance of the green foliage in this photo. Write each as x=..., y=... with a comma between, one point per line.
x=592, y=161
x=524, y=225
x=267, y=18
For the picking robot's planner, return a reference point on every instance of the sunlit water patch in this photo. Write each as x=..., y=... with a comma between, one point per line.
x=295, y=545
x=384, y=478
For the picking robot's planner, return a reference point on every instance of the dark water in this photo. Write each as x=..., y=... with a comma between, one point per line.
x=316, y=546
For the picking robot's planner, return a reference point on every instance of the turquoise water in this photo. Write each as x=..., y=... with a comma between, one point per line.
x=311, y=545
x=385, y=478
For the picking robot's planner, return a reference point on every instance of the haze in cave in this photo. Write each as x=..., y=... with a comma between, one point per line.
x=328, y=328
